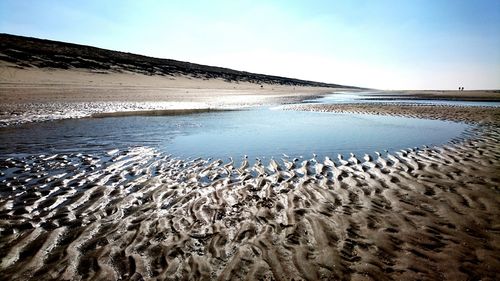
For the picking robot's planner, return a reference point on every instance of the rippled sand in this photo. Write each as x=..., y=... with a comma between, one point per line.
x=475, y=114
x=419, y=214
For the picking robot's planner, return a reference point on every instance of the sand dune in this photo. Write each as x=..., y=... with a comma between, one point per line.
x=44, y=80
x=28, y=53
x=426, y=214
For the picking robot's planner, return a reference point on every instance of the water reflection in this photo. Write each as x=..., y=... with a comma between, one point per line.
x=258, y=133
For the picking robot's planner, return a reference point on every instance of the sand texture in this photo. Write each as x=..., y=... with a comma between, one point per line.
x=472, y=114
x=428, y=213
x=32, y=95
x=26, y=52
x=419, y=214
x=469, y=95
x=43, y=80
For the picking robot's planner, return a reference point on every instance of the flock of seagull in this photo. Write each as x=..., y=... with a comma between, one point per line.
x=290, y=168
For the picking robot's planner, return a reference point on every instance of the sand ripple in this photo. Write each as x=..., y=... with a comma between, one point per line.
x=429, y=213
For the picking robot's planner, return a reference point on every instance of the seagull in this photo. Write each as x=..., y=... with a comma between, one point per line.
x=211, y=166
x=381, y=160
x=353, y=159
x=367, y=158
x=217, y=163
x=304, y=168
x=341, y=160
x=402, y=153
x=329, y=162
x=274, y=166
x=229, y=166
x=393, y=158
x=319, y=167
x=368, y=161
x=258, y=167
x=244, y=165
x=290, y=165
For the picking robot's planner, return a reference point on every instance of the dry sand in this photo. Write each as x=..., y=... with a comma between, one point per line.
x=50, y=85
x=41, y=94
x=34, y=94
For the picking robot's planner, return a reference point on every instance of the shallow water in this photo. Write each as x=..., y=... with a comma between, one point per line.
x=260, y=133
x=95, y=211
x=373, y=97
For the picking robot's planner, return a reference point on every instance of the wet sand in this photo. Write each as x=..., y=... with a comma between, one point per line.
x=468, y=95
x=428, y=213
x=43, y=80
x=419, y=214
x=469, y=114
x=42, y=94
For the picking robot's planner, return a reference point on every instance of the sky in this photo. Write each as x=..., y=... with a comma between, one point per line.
x=383, y=44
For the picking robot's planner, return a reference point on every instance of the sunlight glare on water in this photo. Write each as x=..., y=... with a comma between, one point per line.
x=258, y=133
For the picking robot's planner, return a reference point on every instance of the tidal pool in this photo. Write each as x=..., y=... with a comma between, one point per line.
x=262, y=133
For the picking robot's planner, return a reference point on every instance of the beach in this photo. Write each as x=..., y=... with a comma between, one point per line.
x=46, y=94
x=426, y=213
x=139, y=213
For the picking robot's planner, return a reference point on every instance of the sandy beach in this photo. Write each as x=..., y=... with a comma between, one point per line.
x=466, y=95
x=46, y=94
x=419, y=214
x=44, y=80
x=423, y=213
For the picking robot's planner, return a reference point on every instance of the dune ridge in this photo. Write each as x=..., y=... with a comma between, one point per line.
x=28, y=52
x=417, y=214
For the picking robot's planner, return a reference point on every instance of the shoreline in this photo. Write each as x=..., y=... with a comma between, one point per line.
x=84, y=93
x=468, y=114
x=399, y=216
x=468, y=95
x=136, y=213
x=16, y=113
x=165, y=112
x=426, y=213
x=429, y=213
x=41, y=94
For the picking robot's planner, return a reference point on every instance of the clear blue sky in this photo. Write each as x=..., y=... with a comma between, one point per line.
x=386, y=44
